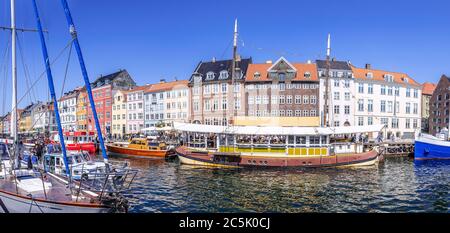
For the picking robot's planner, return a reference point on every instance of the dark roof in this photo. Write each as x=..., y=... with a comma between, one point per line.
x=104, y=80
x=217, y=66
x=334, y=65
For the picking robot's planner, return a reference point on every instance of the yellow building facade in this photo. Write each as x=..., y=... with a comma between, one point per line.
x=82, y=121
x=119, y=114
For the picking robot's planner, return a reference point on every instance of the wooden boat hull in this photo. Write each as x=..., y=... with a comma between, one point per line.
x=13, y=203
x=118, y=150
x=201, y=159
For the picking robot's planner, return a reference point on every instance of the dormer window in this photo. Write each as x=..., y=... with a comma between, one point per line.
x=307, y=75
x=281, y=76
x=256, y=75
x=369, y=75
x=210, y=76
x=405, y=80
x=388, y=78
x=223, y=74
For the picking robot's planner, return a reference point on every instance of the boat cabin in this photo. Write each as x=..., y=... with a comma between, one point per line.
x=146, y=144
x=288, y=141
x=54, y=162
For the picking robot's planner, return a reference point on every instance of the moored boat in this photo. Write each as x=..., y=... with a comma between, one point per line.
x=79, y=141
x=239, y=146
x=141, y=147
x=428, y=147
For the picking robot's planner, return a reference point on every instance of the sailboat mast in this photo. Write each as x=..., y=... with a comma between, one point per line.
x=233, y=69
x=73, y=32
x=327, y=80
x=14, y=114
x=52, y=88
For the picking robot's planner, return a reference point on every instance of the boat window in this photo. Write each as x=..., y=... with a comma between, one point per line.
x=313, y=140
x=301, y=140
x=58, y=162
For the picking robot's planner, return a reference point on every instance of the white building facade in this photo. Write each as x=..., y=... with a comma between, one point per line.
x=68, y=111
x=341, y=96
x=390, y=98
x=135, y=109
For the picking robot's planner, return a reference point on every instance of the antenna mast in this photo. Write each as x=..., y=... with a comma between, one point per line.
x=14, y=112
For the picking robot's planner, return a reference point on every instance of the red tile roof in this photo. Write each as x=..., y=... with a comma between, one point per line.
x=301, y=68
x=158, y=87
x=428, y=88
x=378, y=75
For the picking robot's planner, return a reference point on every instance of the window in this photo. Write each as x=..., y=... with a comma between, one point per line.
x=369, y=120
x=307, y=75
x=361, y=121
x=289, y=99
x=383, y=106
x=408, y=108
x=258, y=99
x=416, y=93
x=370, y=106
x=347, y=110
x=389, y=106
x=313, y=113
x=347, y=83
x=347, y=96
x=224, y=87
x=305, y=99
x=298, y=113
x=383, y=90
x=210, y=76
x=266, y=99
x=336, y=82
x=395, y=123
x=361, y=88
x=223, y=74
x=385, y=121
x=305, y=113
x=224, y=104
x=361, y=105
x=415, y=122
x=415, y=108
x=256, y=75
x=207, y=105
x=370, y=89
x=336, y=109
x=298, y=99
x=336, y=96
x=237, y=104
x=313, y=99
x=369, y=75
x=408, y=92
x=389, y=90
x=274, y=99
x=408, y=123
x=282, y=100
x=397, y=91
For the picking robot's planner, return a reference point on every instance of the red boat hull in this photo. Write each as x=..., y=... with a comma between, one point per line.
x=89, y=147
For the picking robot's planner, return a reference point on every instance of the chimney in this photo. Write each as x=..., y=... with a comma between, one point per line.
x=269, y=62
x=368, y=66
x=214, y=59
x=162, y=80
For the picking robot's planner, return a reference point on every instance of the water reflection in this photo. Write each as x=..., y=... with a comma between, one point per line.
x=397, y=185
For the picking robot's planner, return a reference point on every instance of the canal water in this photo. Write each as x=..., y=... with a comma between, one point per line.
x=396, y=185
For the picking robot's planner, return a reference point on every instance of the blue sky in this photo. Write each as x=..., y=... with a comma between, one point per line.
x=167, y=39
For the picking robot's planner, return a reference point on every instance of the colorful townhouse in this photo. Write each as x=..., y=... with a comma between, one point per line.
x=282, y=91
x=135, y=109
x=167, y=102
x=427, y=93
x=119, y=114
x=215, y=97
x=103, y=90
x=440, y=106
x=67, y=105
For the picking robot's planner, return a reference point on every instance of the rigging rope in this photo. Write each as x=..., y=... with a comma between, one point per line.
x=67, y=68
x=25, y=70
x=44, y=72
